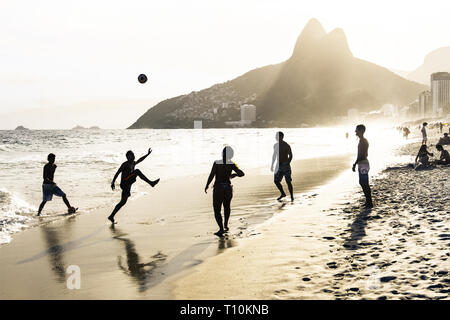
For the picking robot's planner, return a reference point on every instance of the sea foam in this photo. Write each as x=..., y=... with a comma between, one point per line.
x=14, y=215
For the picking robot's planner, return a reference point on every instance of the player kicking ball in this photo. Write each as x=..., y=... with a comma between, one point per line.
x=129, y=174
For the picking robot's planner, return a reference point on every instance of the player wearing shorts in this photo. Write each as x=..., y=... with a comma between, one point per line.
x=129, y=174
x=282, y=151
x=49, y=187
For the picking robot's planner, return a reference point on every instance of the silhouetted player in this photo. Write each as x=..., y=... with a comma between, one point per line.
x=49, y=187
x=128, y=177
x=363, y=165
x=282, y=151
x=223, y=190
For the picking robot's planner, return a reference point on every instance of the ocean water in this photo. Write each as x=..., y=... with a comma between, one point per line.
x=88, y=159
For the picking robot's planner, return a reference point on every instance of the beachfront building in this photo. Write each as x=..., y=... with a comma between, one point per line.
x=440, y=93
x=414, y=109
x=248, y=113
x=425, y=105
x=248, y=116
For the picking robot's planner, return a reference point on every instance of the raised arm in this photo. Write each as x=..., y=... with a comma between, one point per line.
x=113, y=186
x=211, y=176
x=143, y=157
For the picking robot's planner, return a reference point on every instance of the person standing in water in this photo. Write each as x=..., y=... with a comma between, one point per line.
x=129, y=174
x=222, y=170
x=363, y=164
x=424, y=133
x=49, y=187
x=282, y=151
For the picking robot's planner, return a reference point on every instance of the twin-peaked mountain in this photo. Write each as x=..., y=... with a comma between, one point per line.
x=320, y=81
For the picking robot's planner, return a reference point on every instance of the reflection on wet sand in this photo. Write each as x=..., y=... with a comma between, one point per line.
x=139, y=271
x=151, y=273
x=55, y=250
x=225, y=243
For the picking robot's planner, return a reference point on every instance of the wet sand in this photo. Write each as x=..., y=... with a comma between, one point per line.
x=332, y=248
x=159, y=237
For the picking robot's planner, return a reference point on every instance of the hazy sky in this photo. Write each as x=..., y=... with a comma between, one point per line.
x=64, y=63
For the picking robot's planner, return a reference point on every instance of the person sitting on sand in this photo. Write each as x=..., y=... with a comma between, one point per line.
x=444, y=140
x=282, y=151
x=49, y=187
x=424, y=133
x=129, y=174
x=445, y=156
x=422, y=159
x=223, y=190
x=363, y=164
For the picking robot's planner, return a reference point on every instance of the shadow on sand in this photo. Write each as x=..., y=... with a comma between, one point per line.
x=357, y=229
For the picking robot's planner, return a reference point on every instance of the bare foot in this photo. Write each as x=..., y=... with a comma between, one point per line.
x=281, y=196
x=72, y=210
x=154, y=183
x=219, y=233
x=111, y=219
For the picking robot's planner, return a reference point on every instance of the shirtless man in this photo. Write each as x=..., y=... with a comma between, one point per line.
x=128, y=177
x=363, y=164
x=49, y=187
x=282, y=151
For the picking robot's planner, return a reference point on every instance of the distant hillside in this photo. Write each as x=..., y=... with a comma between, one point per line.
x=320, y=81
x=436, y=61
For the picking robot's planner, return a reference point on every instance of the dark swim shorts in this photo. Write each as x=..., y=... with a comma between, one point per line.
x=126, y=189
x=284, y=170
x=48, y=190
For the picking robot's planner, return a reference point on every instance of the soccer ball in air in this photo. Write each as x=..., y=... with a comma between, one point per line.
x=142, y=78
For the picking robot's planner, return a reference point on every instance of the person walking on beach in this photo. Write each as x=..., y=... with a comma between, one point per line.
x=222, y=170
x=49, y=187
x=363, y=164
x=445, y=156
x=424, y=133
x=128, y=177
x=282, y=151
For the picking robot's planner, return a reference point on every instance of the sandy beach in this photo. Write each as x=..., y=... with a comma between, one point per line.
x=331, y=248
x=157, y=238
x=323, y=246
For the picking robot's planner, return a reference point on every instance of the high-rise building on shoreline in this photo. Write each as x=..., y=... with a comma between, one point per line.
x=248, y=113
x=440, y=93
